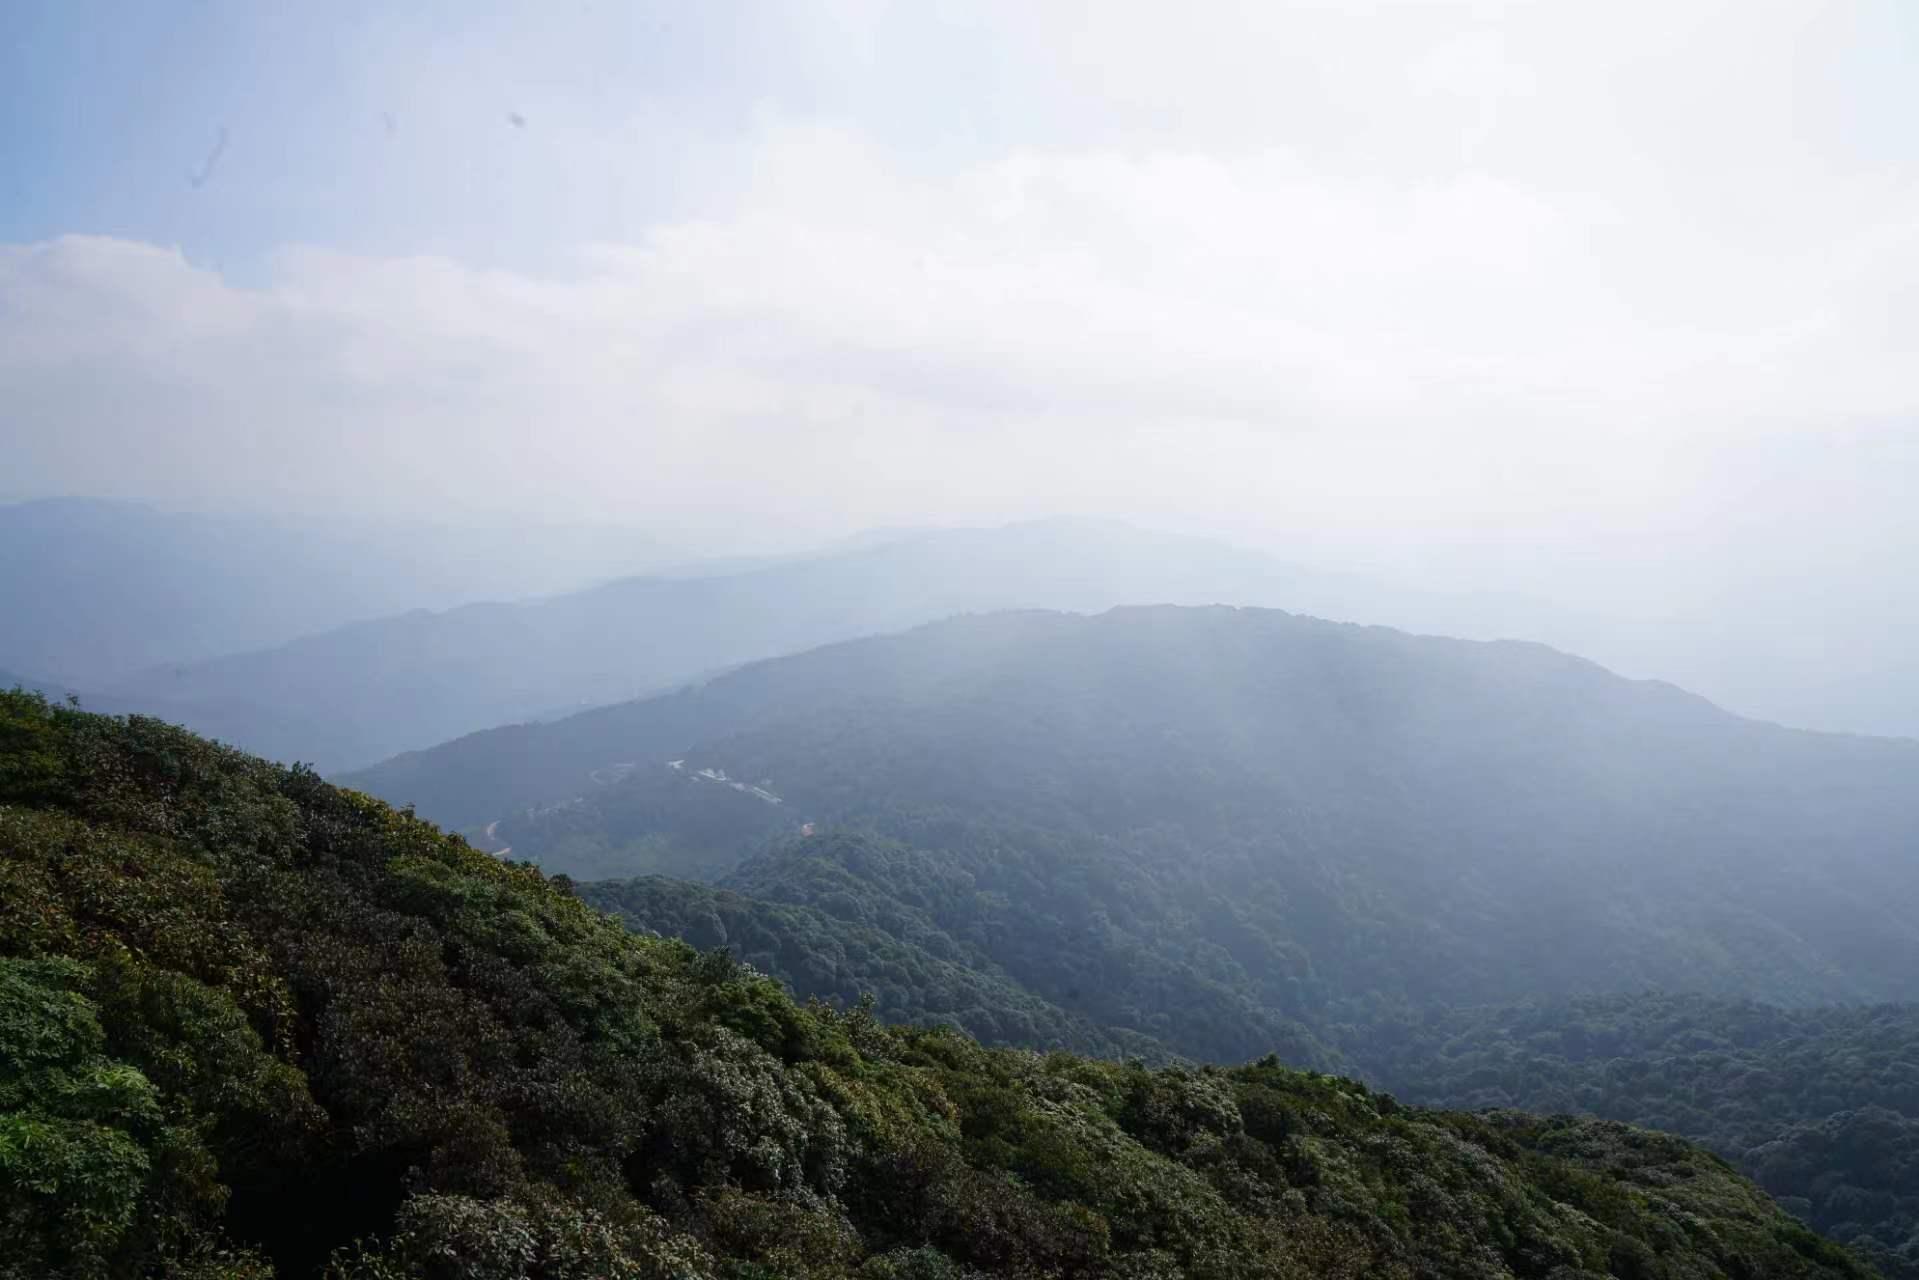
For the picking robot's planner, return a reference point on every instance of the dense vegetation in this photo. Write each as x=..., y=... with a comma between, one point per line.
x=255, y=1024
x=910, y=969
x=1820, y=1106
x=1145, y=969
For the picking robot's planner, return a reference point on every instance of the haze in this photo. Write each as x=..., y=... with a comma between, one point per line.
x=1605, y=309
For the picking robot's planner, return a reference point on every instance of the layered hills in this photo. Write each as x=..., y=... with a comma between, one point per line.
x=1326, y=818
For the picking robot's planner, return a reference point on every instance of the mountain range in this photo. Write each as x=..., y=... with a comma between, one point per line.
x=356, y=694
x=1165, y=835
x=105, y=590
x=1339, y=813
x=1459, y=870
x=345, y=644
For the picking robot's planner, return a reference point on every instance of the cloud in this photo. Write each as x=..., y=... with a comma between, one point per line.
x=1048, y=327
x=1406, y=274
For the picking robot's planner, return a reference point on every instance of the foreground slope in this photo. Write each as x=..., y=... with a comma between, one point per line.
x=256, y=1024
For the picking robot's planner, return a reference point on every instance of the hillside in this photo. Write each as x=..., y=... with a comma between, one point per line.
x=257, y=1025
x=1820, y=1106
x=913, y=971
x=1329, y=818
x=1048, y=929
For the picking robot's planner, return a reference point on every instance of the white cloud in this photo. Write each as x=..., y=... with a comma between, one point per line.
x=1165, y=326
x=1391, y=274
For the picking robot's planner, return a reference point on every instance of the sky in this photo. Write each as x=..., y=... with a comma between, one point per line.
x=1615, y=303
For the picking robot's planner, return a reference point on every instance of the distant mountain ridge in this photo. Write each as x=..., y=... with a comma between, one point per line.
x=345, y=646
x=98, y=591
x=361, y=693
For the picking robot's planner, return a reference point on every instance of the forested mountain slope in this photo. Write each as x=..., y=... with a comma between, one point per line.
x=1328, y=819
x=257, y=1025
x=1144, y=973
x=1821, y=1106
x=913, y=970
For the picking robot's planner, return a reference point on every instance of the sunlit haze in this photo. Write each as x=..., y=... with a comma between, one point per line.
x=1609, y=306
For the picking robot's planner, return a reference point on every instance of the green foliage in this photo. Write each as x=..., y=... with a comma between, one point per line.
x=77, y=1129
x=1819, y=1106
x=540, y=1237
x=30, y=759
x=912, y=969
x=1020, y=938
x=255, y=1021
x=98, y=1176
